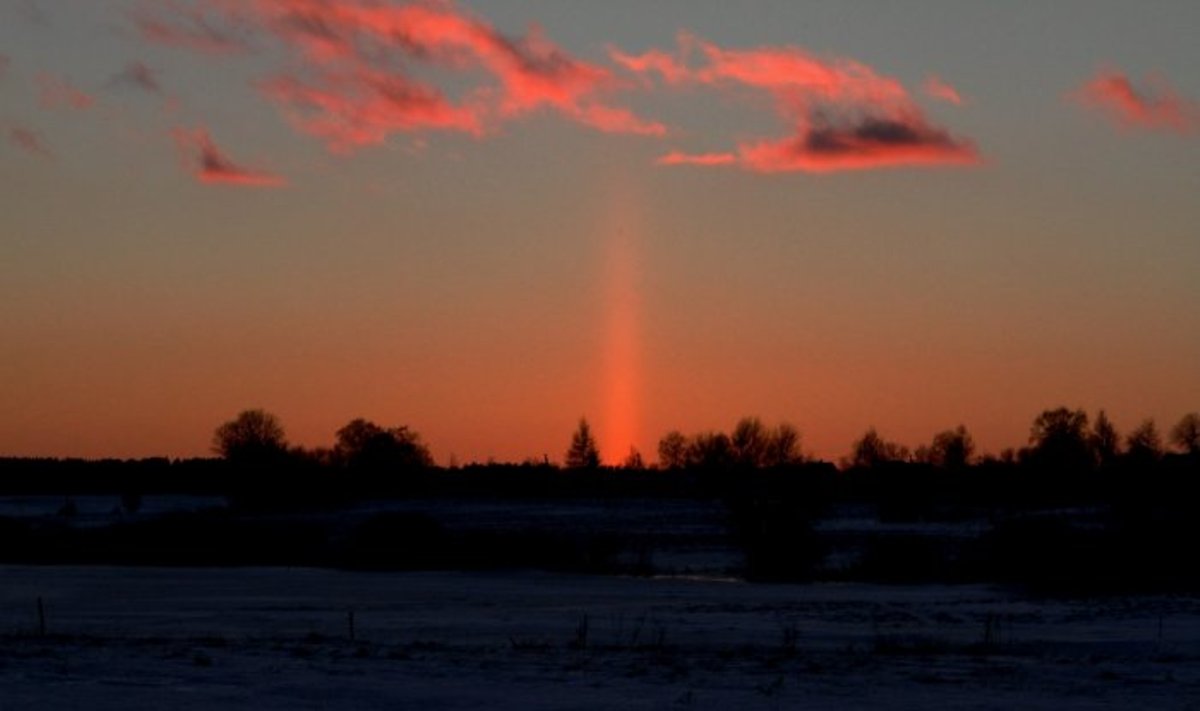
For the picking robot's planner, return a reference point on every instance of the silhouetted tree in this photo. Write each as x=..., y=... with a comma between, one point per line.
x=633, y=460
x=364, y=445
x=254, y=436
x=583, y=453
x=749, y=442
x=1186, y=433
x=756, y=446
x=951, y=449
x=1144, y=445
x=1060, y=441
x=710, y=450
x=673, y=450
x=783, y=447
x=872, y=450
x=751, y=445
x=1105, y=441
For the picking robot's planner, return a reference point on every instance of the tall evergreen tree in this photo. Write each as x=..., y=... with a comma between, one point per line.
x=583, y=453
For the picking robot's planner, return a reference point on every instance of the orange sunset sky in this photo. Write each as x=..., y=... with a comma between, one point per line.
x=486, y=220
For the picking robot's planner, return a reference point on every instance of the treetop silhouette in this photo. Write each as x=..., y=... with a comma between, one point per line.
x=1186, y=434
x=871, y=451
x=583, y=452
x=254, y=436
x=363, y=445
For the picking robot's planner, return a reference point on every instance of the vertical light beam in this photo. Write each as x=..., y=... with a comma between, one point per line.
x=622, y=372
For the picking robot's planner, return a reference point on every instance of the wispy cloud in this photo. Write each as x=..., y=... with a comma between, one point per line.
x=5, y=61
x=138, y=75
x=196, y=27
x=702, y=159
x=937, y=88
x=58, y=93
x=791, y=73
x=844, y=114
x=1152, y=105
x=353, y=65
x=209, y=164
x=359, y=107
x=669, y=68
x=350, y=79
x=29, y=141
x=532, y=72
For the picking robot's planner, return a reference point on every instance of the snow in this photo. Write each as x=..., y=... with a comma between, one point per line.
x=280, y=638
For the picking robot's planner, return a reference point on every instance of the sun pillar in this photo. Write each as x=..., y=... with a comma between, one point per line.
x=622, y=372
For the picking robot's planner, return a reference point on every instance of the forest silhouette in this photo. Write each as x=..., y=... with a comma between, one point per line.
x=1079, y=508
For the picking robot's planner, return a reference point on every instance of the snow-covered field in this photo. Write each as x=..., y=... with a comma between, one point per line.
x=281, y=638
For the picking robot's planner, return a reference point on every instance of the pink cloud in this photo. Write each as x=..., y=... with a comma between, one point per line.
x=614, y=119
x=209, y=164
x=1154, y=106
x=702, y=159
x=361, y=107
x=790, y=73
x=846, y=116
x=58, y=93
x=532, y=71
x=860, y=145
x=655, y=61
x=937, y=88
x=794, y=75
x=351, y=82
x=28, y=140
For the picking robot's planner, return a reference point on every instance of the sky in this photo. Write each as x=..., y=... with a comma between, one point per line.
x=487, y=220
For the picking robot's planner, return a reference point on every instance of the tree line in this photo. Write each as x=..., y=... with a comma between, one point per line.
x=1068, y=455
x=1060, y=438
x=256, y=437
x=1081, y=504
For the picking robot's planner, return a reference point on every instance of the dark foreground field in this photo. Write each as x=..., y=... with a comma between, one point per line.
x=302, y=638
x=534, y=588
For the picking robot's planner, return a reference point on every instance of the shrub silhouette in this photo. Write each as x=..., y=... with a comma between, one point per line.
x=364, y=446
